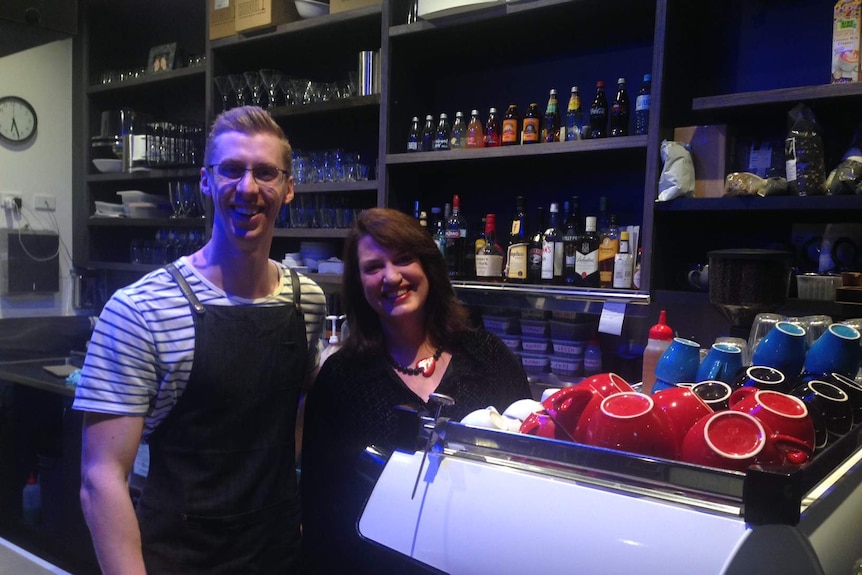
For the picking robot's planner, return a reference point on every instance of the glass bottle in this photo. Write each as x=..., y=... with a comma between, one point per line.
x=587, y=262
x=599, y=112
x=475, y=133
x=574, y=117
x=551, y=121
x=441, y=138
x=414, y=136
x=492, y=129
x=428, y=134
x=489, y=260
x=458, y=139
x=511, y=127
x=603, y=222
x=517, y=250
x=570, y=237
x=531, y=128
x=456, y=241
x=642, y=104
x=636, y=276
x=534, y=254
x=609, y=246
x=552, y=248
x=623, y=264
x=438, y=225
x=620, y=111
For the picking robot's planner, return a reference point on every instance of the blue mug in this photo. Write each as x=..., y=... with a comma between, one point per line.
x=837, y=350
x=678, y=364
x=723, y=362
x=783, y=348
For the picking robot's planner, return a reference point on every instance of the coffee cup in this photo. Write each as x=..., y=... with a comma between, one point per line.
x=783, y=348
x=837, y=350
x=698, y=278
x=763, y=377
x=782, y=413
x=851, y=387
x=678, y=364
x=723, y=362
x=566, y=406
x=714, y=393
x=605, y=383
x=540, y=425
x=829, y=407
x=631, y=422
x=683, y=407
x=736, y=440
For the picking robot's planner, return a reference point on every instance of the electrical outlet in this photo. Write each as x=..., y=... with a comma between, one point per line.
x=11, y=200
x=45, y=202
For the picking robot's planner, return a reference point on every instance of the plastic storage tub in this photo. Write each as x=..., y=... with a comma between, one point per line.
x=569, y=348
x=534, y=327
x=536, y=363
x=567, y=366
x=571, y=330
x=535, y=344
x=500, y=324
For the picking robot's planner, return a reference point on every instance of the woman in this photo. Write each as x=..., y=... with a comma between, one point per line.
x=409, y=337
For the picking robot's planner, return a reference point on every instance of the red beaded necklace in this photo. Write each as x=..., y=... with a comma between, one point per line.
x=424, y=366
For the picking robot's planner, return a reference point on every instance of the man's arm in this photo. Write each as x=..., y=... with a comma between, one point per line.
x=110, y=443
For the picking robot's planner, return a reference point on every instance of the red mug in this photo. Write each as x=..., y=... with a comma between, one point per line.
x=683, y=406
x=540, y=424
x=566, y=406
x=783, y=414
x=605, y=383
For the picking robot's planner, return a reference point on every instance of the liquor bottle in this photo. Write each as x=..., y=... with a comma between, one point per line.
x=534, y=253
x=492, y=129
x=636, y=275
x=642, y=106
x=423, y=220
x=602, y=222
x=511, y=129
x=456, y=241
x=428, y=134
x=531, y=129
x=458, y=139
x=551, y=121
x=439, y=229
x=609, y=246
x=574, y=117
x=623, y=264
x=475, y=133
x=587, y=262
x=479, y=241
x=517, y=250
x=570, y=237
x=441, y=139
x=620, y=111
x=599, y=112
x=414, y=137
x=489, y=259
x=552, y=248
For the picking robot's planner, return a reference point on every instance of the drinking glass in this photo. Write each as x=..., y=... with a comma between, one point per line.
x=238, y=83
x=175, y=194
x=284, y=86
x=255, y=83
x=270, y=79
x=224, y=89
x=763, y=322
x=816, y=325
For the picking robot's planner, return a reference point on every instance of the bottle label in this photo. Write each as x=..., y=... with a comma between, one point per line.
x=510, y=131
x=642, y=103
x=623, y=271
x=558, y=259
x=516, y=262
x=489, y=266
x=587, y=263
x=548, y=260
x=441, y=143
x=531, y=130
x=412, y=146
x=607, y=250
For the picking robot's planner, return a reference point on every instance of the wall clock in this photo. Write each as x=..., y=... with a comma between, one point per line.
x=17, y=120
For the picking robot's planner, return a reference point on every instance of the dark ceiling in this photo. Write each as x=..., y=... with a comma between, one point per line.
x=25, y=24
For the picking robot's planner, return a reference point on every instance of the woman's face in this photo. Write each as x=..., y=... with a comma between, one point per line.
x=394, y=284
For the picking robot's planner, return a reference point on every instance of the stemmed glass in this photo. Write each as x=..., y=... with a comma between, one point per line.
x=255, y=83
x=238, y=83
x=284, y=83
x=271, y=78
x=223, y=85
x=175, y=194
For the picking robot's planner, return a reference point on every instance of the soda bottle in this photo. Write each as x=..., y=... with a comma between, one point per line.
x=517, y=250
x=492, y=129
x=587, y=256
x=531, y=128
x=551, y=121
x=458, y=139
x=414, y=137
x=620, y=111
x=456, y=241
x=574, y=117
x=642, y=106
x=534, y=254
x=441, y=139
x=475, y=133
x=511, y=129
x=489, y=259
x=599, y=112
x=570, y=237
x=428, y=134
x=552, y=248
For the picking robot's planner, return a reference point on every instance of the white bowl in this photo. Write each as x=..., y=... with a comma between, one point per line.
x=311, y=9
x=106, y=165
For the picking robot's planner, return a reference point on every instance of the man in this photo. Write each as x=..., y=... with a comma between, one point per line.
x=205, y=362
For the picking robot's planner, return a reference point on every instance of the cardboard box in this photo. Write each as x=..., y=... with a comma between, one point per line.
x=254, y=14
x=709, y=154
x=222, y=14
x=336, y=6
x=846, y=20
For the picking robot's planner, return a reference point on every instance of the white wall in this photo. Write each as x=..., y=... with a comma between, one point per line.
x=43, y=77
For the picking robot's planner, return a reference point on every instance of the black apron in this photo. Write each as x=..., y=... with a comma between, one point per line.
x=221, y=494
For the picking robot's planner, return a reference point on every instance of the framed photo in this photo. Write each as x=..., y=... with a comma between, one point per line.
x=162, y=58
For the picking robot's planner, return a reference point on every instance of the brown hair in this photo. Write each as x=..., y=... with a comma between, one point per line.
x=249, y=120
x=445, y=316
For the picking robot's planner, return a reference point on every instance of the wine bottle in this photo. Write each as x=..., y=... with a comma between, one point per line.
x=517, y=250
x=534, y=261
x=489, y=259
x=552, y=248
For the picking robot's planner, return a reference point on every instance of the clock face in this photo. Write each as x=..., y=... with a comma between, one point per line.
x=17, y=119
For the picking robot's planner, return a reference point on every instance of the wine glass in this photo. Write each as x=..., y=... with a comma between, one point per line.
x=238, y=83
x=223, y=85
x=284, y=84
x=271, y=78
x=175, y=194
x=254, y=82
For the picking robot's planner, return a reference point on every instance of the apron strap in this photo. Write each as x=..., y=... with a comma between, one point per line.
x=196, y=304
x=297, y=290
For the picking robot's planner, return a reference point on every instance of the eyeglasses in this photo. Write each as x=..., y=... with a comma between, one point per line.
x=232, y=172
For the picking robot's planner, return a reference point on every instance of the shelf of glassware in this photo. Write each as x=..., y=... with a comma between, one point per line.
x=145, y=175
x=157, y=80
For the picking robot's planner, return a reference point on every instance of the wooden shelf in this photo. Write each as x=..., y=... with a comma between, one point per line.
x=153, y=174
x=148, y=80
x=782, y=95
x=336, y=187
x=770, y=203
x=109, y=222
x=351, y=103
x=556, y=292
x=324, y=233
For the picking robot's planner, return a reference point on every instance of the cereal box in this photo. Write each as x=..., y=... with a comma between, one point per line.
x=845, y=41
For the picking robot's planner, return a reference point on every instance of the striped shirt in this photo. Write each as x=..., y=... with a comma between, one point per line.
x=142, y=349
